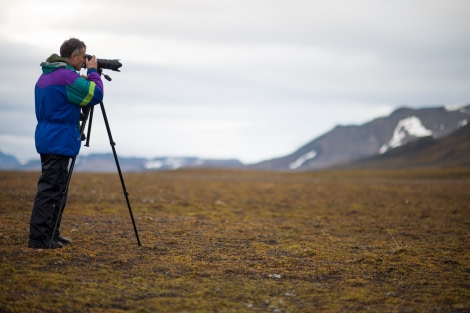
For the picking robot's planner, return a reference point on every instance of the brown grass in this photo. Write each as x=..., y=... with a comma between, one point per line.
x=234, y=241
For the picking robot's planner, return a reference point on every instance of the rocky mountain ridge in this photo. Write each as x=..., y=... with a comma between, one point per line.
x=348, y=143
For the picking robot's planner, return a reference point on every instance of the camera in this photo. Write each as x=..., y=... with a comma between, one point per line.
x=113, y=65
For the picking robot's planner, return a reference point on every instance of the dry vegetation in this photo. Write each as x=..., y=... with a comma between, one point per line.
x=233, y=241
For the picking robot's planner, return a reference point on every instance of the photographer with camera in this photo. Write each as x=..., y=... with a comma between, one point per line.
x=60, y=94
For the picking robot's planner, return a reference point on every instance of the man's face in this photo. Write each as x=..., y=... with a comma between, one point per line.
x=77, y=60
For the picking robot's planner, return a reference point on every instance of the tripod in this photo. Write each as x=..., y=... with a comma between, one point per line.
x=89, y=115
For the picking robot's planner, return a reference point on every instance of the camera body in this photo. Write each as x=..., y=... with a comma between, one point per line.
x=112, y=65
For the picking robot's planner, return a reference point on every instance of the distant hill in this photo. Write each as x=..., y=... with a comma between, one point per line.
x=452, y=150
x=348, y=143
x=106, y=163
x=8, y=161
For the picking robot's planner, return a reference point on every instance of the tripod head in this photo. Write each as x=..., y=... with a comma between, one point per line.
x=100, y=71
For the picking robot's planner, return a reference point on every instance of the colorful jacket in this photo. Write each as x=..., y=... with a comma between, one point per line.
x=60, y=93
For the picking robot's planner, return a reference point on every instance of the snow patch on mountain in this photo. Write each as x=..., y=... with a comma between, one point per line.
x=410, y=126
x=458, y=107
x=301, y=160
x=172, y=163
x=462, y=123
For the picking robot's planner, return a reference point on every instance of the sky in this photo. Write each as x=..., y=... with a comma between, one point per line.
x=246, y=79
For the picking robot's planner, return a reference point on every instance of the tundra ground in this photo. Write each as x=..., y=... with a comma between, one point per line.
x=243, y=241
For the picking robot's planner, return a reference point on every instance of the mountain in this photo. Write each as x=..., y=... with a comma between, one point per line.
x=452, y=150
x=404, y=129
x=8, y=161
x=106, y=163
x=344, y=144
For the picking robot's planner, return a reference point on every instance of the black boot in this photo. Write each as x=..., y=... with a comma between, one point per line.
x=44, y=244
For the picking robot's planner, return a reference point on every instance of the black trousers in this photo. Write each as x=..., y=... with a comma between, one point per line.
x=51, y=188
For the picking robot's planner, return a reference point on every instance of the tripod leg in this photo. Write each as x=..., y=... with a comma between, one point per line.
x=87, y=144
x=64, y=196
x=126, y=194
x=69, y=176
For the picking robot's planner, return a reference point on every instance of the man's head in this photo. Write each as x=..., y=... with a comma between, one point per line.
x=73, y=50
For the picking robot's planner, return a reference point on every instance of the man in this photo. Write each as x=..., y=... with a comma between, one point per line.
x=60, y=94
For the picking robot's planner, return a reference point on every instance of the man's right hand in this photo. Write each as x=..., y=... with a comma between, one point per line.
x=92, y=63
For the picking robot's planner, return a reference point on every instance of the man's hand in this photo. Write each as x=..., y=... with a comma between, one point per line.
x=92, y=63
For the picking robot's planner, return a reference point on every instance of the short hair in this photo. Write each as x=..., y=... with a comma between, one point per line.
x=70, y=46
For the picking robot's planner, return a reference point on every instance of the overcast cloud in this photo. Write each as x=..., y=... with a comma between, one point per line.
x=250, y=80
